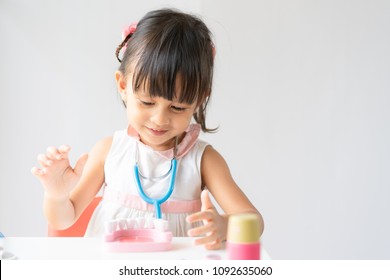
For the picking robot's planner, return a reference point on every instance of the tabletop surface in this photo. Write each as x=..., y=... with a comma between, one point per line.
x=41, y=248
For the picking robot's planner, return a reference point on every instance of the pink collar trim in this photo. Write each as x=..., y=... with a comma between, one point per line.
x=189, y=140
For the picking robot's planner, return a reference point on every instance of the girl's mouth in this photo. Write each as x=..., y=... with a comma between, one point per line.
x=157, y=132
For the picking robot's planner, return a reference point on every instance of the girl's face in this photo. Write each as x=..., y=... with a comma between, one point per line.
x=157, y=120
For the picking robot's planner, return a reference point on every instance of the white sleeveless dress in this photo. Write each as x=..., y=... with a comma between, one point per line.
x=120, y=194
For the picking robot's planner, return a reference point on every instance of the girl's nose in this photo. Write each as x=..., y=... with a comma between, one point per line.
x=160, y=117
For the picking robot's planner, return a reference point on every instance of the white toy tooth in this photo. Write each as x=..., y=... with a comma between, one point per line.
x=149, y=223
x=140, y=222
x=130, y=223
x=110, y=226
x=122, y=223
x=161, y=225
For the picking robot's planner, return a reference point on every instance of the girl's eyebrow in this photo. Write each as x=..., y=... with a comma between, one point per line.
x=177, y=101
x=142, y=93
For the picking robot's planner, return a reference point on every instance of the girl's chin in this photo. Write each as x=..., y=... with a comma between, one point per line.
x=157, y=143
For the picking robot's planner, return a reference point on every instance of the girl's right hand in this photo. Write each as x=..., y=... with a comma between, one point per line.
x=56, y=175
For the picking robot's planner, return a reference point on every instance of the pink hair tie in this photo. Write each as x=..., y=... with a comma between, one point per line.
x=129, y=30
x=126, y=31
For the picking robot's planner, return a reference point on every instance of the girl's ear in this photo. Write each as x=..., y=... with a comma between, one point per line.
x=121, y=85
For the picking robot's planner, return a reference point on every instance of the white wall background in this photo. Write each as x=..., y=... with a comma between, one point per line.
x=302, y=95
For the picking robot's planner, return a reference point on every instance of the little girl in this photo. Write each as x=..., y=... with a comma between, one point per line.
x=164, y=80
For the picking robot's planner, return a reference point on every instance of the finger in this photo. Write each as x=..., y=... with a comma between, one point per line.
x=201, y=230
x=206, y=201
x=64, y=149
x=214, y=245
x=53, y=153
x=44, y=161
x=199, y=216
x=205, y=239
x=37, y=171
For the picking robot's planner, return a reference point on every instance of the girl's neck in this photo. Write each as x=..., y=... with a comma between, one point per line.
x=167, y=145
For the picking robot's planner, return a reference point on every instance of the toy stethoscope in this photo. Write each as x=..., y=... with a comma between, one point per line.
x=156, y=202
x=124, y=237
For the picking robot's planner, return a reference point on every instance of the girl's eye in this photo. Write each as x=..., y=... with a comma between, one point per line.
x=178, y=109
x=146, y=103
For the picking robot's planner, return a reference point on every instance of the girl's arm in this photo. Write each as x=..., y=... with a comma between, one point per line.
x=218, y=180
x=68, y=191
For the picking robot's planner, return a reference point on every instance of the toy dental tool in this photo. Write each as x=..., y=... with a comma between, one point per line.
x=140, y=234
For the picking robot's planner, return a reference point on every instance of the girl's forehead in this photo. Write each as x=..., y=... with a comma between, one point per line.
x=170, y=80
x=144, y=87
x=141, y=92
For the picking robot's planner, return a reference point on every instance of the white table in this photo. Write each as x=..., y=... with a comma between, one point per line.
x=83, y=248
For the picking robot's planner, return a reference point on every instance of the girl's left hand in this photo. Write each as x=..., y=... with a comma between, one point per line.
x=214, y=226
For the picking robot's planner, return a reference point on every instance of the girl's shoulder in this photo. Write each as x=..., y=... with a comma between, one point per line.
x=212, y=159
x=100, y=151
x=105, y=143
x=120, y=142
x=109, y=146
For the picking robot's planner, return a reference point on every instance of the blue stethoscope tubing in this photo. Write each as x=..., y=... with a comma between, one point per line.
x=157, y=202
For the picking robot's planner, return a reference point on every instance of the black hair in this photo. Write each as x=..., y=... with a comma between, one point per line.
x=167, y=45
